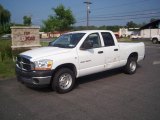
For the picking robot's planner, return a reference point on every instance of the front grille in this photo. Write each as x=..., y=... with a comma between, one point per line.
x=24, y=63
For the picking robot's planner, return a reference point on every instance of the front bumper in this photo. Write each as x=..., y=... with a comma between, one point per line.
x=35, y=78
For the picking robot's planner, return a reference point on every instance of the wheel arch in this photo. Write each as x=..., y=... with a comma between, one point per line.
x=127, y=67
x=155, y=38
x=70, y=66
x=134, y=55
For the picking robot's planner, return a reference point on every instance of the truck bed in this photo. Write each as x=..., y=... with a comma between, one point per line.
x=127, y=48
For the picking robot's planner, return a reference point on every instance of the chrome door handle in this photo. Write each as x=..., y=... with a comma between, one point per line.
x=100, y=52
x=115, y=49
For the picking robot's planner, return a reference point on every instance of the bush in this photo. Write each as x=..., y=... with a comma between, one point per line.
x=7, y=58
x=5, y=50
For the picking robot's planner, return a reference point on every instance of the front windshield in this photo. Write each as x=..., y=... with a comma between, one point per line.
x=67, y=40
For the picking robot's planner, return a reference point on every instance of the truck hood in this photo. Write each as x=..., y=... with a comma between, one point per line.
x=44, y=51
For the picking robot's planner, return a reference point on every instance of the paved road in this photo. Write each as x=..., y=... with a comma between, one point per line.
x=110, y=95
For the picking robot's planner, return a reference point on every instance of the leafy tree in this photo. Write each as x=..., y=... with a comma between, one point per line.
x=27, y=20
x=103, y=27
x=131, y=24
x=153, y=19
x=61, y=21
x=114, y=28
x=5, y=17
x=142, y=24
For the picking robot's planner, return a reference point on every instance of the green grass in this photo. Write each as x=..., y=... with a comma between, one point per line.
x=7, y=69
x=124, y=40
x=7, y=65
x=44, y=43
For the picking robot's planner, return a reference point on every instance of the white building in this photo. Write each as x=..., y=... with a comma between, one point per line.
x=125, y=32
x=150, y=29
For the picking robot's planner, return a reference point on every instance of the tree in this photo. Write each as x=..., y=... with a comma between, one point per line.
x=153, y=19
x=5, y=17
x=27, y=20
x=114, y=28
x=131, y=24
x=61, y=21
x=103, y=27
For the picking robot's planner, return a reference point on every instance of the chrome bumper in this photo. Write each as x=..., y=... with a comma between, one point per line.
x=36, y=78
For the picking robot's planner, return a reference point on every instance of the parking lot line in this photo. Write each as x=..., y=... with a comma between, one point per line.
x=156, y=62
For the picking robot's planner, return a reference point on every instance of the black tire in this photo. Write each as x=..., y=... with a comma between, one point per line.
x=154, y=40
x=131, y=66
x=63, y=80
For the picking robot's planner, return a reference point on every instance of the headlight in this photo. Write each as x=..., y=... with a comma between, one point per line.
x=43, y=64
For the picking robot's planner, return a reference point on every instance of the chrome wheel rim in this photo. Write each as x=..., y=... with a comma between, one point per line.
x=154, y=41
x=65, y=81
x=133, y=66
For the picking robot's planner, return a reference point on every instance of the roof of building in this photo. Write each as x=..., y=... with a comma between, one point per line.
x=151, y=24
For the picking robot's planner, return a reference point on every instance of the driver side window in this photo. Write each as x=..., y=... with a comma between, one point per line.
x=94, y=39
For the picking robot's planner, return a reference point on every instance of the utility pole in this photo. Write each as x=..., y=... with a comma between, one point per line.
x=88, y=11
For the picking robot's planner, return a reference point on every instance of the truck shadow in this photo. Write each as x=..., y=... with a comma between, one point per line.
x=86, y=79
x=101, y=75
x=98, y=76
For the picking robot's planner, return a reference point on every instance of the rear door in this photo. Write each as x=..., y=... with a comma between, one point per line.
x=111, y=51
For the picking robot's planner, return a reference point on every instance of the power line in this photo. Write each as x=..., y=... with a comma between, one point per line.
x=123, y=4
x=128, y=18
x=128, y=3
x=125, y=13
x=128, y=15
x=147, y=13
x=115, y=6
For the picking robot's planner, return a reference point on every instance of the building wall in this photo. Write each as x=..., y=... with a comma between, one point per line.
x=148, y=33
x=124, y=32
x=49, y=34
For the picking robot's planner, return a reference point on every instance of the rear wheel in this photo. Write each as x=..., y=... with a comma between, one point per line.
x=154, y=40
x=63, y=80
x=131, y=66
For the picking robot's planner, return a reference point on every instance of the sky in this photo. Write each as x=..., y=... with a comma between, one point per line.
x=103, y=12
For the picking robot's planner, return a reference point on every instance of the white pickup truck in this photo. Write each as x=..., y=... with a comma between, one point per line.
x=76, y=54
x=155, y=39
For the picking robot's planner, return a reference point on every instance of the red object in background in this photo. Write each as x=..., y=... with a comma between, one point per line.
x=117, y=36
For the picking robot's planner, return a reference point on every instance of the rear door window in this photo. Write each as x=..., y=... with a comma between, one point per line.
x=108, y=39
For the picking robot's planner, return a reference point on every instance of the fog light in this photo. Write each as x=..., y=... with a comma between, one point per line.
x=35, y=81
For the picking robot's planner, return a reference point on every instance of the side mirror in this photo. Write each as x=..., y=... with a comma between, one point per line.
x=87, y=45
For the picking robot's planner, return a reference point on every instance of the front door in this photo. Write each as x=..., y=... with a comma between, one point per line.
x=91, y=60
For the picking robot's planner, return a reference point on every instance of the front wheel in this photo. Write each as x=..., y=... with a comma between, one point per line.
x=131, y=66
x=63, y=80
x=154, y=40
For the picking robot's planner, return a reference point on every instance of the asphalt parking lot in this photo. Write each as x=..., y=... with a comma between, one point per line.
x=110, y=95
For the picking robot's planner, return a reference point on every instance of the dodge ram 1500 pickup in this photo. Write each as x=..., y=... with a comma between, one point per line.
x=76, y=54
